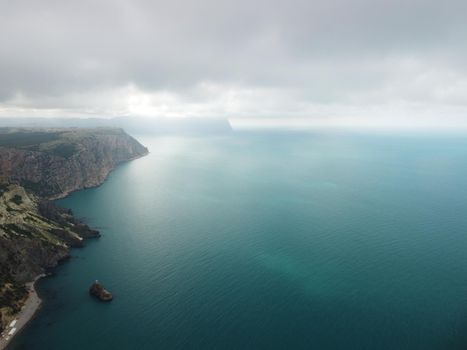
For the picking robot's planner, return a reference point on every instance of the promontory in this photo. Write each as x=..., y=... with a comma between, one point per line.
x=37, y=166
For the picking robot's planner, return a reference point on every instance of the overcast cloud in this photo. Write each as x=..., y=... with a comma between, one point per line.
x=361, y=62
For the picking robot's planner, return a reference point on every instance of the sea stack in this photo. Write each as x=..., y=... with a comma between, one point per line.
x=100, y=292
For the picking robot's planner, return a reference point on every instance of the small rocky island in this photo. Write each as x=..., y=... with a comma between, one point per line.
x=100, y=292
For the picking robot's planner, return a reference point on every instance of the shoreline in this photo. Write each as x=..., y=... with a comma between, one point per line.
x=68, y=193
x=22, y=318
x=33, y=302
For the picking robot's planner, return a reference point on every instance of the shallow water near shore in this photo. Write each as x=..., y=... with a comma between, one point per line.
x=269, y=241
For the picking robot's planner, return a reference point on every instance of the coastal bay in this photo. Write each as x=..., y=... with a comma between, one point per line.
x=269, y=241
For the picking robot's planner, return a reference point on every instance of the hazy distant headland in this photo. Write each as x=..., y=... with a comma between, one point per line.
x=140, y=126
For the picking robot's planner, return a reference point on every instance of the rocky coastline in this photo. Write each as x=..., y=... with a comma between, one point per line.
x=35, y=234
x=21, y=319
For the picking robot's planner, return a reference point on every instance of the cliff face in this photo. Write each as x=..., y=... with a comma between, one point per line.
x=28, y=243
x=34, y=235
x=36, y=166
x=73, y=160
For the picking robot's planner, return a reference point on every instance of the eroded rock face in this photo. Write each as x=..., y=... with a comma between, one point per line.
x=31, y=239
x=64, y=217
x=100, y=292
x=53, y=174
x=29, y=245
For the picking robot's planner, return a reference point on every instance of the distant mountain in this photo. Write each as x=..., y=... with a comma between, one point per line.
x=133, y=125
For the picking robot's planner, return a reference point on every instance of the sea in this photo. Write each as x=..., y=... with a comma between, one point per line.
x=269, y=240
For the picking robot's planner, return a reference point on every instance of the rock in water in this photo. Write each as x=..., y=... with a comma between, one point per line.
x=100, y=292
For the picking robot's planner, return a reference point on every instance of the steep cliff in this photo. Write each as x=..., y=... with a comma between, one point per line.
x=36, y=166
x=66, y=160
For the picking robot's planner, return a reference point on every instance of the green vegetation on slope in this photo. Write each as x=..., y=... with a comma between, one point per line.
x=34, y=235
x=59, y=142
x=24, y=139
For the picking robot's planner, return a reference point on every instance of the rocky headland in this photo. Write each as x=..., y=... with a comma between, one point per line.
x=37, y=166
x=54, y=162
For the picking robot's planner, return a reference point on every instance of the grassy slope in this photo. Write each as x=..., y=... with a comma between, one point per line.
x=61, y=142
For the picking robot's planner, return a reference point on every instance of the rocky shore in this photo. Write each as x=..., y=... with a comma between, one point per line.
x=27, y=312
x=37, y=166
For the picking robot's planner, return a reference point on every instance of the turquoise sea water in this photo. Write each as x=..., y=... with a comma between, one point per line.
x=269, y=241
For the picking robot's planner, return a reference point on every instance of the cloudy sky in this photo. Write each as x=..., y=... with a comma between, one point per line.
x=386, y=63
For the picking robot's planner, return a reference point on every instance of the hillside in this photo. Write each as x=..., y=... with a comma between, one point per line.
x=55, y=162
x=37, y=165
